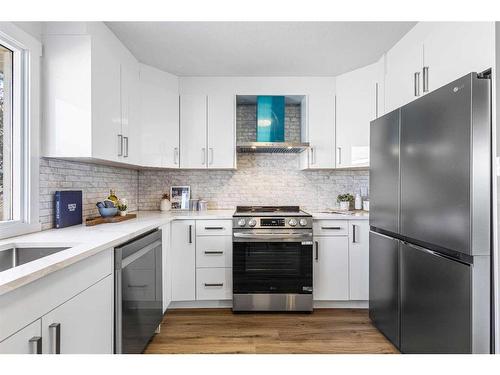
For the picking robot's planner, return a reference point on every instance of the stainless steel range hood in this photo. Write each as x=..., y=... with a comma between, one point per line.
x=271, y=147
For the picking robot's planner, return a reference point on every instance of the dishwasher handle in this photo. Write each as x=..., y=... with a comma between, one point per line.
x=140, y=253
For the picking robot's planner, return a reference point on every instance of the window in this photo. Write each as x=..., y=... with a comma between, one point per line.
x=19, y=122
x=6, y=180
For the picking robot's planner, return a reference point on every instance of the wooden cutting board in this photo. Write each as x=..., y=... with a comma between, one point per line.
x=91, y=221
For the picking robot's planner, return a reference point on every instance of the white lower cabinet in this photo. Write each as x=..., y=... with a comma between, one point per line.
x=331, y=268
x=340, y=260
x=214, y=251
x=214, y=283
x=68, y=311
x=358, y=260
x=82, y=324
x=26, y=341
x=183, y=252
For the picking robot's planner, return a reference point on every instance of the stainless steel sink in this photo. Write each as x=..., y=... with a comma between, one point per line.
x=14, y=256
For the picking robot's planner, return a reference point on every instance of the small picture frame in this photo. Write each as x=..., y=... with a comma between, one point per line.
x=179, y=197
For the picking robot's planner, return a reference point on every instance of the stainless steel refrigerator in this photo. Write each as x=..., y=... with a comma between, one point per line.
x=430, y=220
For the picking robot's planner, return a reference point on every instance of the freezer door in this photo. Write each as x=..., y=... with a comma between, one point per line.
x=384, y=172
x=436, y=173
x=435, y=303
x=384, y=285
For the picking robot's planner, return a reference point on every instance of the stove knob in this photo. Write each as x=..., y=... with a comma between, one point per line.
x=252, y=222
x=241, y=222
x=292, y=222
x=303, y=222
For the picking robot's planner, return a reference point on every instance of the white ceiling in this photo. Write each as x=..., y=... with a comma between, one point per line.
x=259, y=48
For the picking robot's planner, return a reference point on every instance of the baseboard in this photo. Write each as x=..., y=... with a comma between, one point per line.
x=218, y=304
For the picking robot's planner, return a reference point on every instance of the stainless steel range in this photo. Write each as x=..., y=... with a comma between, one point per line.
x=272, y=259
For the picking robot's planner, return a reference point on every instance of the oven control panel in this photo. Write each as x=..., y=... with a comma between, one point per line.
x=272, y=222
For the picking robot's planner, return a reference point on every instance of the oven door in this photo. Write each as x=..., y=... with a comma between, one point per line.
x=272, y=263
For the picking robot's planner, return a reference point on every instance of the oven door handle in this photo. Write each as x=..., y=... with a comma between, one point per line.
x=273, y=236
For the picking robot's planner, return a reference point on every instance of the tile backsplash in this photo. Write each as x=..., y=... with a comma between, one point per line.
x=265, y=179
x=94, y=180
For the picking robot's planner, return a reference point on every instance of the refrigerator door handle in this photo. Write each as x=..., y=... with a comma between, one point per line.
x=435, y=253
x=416, y=83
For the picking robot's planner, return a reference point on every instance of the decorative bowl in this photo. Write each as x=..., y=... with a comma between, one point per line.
x=108, y=212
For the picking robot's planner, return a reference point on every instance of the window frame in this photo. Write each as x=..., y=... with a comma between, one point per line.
x=26, y=118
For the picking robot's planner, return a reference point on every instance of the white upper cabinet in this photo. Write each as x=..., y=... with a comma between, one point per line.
x=356, y=106
x=193, y=131
x=90, y=94
x=453, y=49
x=321, y=132
x=159, y=115
x=434, y=54
x=221, y=131
x=404, y=69
x=207, y=131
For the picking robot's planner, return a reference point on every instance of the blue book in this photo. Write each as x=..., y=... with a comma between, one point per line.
x=68, y=208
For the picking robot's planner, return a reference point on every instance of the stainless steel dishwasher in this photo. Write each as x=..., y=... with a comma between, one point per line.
x=138, y=292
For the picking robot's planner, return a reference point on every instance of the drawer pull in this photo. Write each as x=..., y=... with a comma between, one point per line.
x=138, y=286
x=334, y=228
x=213, y=285
x=209, y=252
x=214, y=228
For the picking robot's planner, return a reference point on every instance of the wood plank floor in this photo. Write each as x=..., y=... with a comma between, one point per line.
x=221, y=331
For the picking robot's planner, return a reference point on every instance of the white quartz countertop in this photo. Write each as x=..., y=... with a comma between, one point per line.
x=87, y=241
x=355, y=215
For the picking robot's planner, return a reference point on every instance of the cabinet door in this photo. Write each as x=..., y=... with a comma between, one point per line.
x=25, y=341
x=159, y=108
x=453, y=49
x=356, y=106
x=106, y=110
x=331, y=268
x=82, y=325
x=221, y=138
x=129, y=84
x=321, y=124
x=403, y=61
x=193, y=131
x=359, y=260
x=183, y=260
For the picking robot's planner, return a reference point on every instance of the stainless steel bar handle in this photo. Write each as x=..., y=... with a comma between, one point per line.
x=316, y=256
x=416, y=83
x=190, y=234
x=334, y=228
x=120, y=144
x=36, y=345
x=211, y=155
x=210, y=252
x=176, y=155
x=204, y=155
x=125, y=155
x=425, y=73
x=214, y=228
x=55, y=329
x=269, y=235
x=354, y=233
x=137, y=286
x=339, y=155
x=214, y=284
x=312, y=155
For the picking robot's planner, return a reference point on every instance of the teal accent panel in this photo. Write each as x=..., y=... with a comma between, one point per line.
x=270, y=119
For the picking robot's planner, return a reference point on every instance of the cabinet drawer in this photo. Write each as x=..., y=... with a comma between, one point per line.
x=214, y=251
x=214, y=283
x=214, y=227
x=331, y=228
